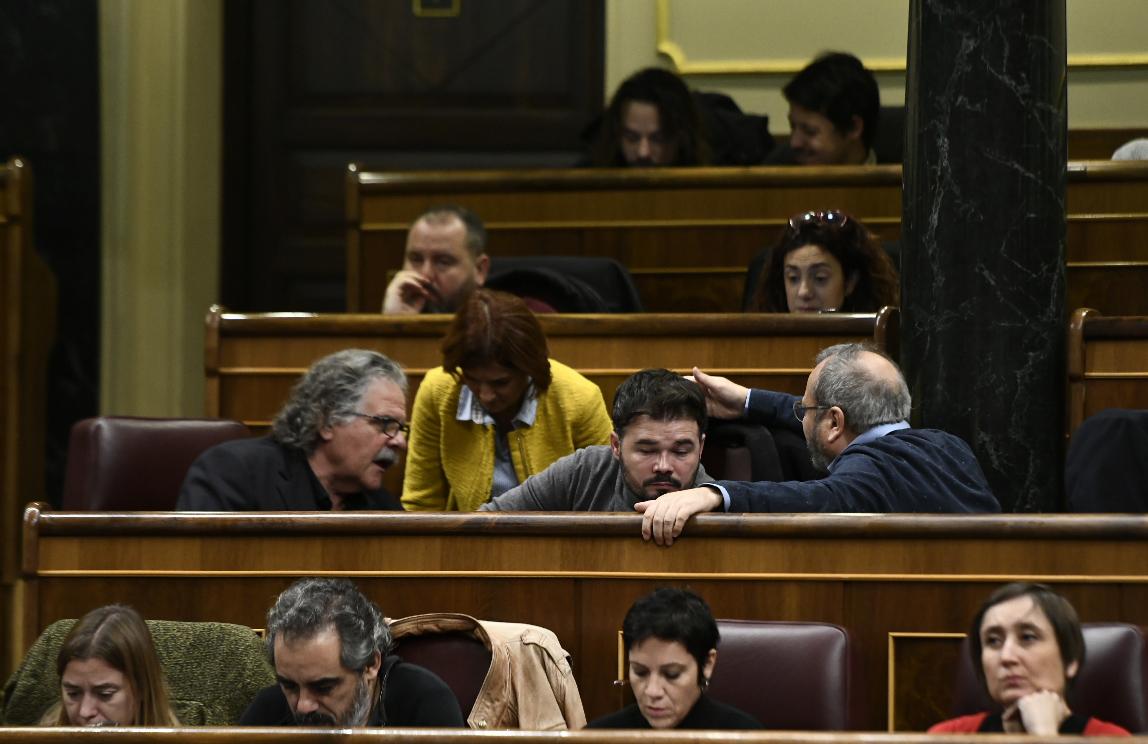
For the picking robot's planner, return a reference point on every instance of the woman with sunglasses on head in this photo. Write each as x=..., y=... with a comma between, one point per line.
x=497, y=411
x=110, y=674
x=826, y=261
x=1027, y=647
x=671, y=642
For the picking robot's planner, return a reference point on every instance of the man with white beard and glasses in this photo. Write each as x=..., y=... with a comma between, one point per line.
x=343, y=426
x=330, y=647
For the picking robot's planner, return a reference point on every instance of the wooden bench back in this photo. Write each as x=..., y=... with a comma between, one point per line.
x=253, y=360
x=1107, y=364
x=688, y=234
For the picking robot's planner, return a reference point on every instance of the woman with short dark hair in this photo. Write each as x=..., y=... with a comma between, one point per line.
x=498, y=411
x=1027, y=647
x=110, y=674
x=671, y=642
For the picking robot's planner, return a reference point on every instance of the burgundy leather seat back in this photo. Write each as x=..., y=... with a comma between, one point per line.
x=121, y=463
x=461, y=660
x=1111, y=684
x=789, y=675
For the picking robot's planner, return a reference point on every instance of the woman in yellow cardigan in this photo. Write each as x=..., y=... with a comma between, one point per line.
x=498, y=410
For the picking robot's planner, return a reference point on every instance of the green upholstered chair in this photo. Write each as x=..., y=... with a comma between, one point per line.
x=213, y=671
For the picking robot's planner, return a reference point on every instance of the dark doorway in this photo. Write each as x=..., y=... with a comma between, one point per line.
x=312, y=85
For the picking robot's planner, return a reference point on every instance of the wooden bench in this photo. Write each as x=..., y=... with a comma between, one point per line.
x=905, y=586
x=28, y=311
x=688, y=234
x=252, y=361
x=1107, y=363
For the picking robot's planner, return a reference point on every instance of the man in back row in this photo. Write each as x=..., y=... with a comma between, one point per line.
x=834, y=107
x=656, y=447
x=854, y=417
x=445, y=259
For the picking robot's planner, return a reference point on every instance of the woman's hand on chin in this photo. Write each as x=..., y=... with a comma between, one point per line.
x=1038, y=713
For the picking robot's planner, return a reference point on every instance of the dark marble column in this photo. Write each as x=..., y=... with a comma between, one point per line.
x=984, y=231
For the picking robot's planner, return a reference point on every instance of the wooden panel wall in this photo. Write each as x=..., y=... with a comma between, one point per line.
x=27, y=325
x=687, y=235
x=309, y=87
x=876, y=575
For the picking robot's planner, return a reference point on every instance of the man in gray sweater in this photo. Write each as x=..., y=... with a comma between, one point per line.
x=655, y=448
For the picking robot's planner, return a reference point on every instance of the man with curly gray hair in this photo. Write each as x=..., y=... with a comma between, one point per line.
x=854, y=416
x=342, y=427
x=330, y=647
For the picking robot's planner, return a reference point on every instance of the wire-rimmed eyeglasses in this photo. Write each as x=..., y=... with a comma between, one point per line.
x=800, y=408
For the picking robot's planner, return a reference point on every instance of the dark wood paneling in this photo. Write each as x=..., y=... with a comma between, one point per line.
x=27, y=328
x=314, y=84
x=1099, y=144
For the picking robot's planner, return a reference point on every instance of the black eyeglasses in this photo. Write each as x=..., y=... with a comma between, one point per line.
x=386, y=425
x=800, y=408
x=831, y=218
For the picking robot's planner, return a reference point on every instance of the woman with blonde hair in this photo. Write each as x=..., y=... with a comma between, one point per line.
x=110, y=674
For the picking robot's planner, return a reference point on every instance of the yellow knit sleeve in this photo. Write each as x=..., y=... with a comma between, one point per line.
x=424, y=484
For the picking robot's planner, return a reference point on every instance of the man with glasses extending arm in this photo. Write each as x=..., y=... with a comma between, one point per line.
x=343, y=426
x=854, y=418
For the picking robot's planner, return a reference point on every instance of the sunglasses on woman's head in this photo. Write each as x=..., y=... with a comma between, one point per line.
x=831, y=218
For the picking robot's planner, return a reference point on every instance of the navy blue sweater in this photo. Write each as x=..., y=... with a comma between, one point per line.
x=909, y=470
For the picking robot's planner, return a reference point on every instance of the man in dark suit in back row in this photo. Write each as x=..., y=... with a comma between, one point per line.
x=342, y=428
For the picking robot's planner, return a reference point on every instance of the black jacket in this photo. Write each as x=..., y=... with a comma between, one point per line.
x=262, y=475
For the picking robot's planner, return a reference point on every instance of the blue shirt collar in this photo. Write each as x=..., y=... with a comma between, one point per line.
x=869, y=435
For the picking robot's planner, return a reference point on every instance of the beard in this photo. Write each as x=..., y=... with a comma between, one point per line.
x=662, y=480
x=450, y=305
x=817, y=454
x=355, y=716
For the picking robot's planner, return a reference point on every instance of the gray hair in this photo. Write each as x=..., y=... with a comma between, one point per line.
x=475, y=229
x=330, y=393
x=311, y=606
x=867, y=400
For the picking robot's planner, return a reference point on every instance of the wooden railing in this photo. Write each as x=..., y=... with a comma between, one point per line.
x=902, y=585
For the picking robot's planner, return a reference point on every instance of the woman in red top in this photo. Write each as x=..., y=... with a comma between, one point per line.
x=1027, y=646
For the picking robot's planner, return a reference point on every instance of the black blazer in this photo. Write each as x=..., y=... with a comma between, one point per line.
x=262, y=475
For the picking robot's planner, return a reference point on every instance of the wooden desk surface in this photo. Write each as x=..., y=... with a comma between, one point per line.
x=455, y=736
x=901, y=584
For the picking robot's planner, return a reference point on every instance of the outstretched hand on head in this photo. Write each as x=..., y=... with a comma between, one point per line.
x=724, y=398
